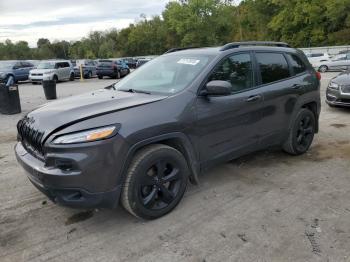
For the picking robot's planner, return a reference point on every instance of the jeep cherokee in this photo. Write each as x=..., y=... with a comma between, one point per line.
x=142, y=139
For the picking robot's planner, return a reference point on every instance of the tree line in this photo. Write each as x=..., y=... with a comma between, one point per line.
x=301, y=23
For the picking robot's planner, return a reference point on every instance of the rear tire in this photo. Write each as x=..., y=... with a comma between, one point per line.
x=88, y=75
x=100, y=77
x=156, y=182
x=301, y=134
x=55, y=78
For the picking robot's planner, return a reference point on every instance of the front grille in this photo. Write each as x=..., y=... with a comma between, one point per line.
x=30, y=137
x=34, y=74
x=345, y=89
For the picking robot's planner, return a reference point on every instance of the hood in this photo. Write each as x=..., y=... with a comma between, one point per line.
x=62, y=113
x=41, y=71
x=342, y=78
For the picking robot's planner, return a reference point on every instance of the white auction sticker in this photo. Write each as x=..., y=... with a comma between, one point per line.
x=188, y=61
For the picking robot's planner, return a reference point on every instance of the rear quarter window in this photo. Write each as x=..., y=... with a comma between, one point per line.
x=273, y=67
x=296, y=64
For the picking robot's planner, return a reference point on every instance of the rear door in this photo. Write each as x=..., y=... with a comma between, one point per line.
x=339, y=63
x=228, y=126
x=18, y=71
x=59, y=73
x=281, y=88
x=26, y=68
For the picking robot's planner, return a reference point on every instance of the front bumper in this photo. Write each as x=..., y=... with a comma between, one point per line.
x=66, y=187
x=337, y=98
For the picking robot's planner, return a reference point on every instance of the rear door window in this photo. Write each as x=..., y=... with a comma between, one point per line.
x=273, y=67
x=297, y=64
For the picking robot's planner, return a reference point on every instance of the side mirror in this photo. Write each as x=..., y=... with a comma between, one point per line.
x=217, y=88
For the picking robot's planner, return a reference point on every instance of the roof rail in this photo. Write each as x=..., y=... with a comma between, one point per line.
x=250, y=43
x=178, y=49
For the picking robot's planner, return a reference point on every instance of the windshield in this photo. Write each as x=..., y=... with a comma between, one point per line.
x=46, y=65
x=6, y=65
x=166, y=74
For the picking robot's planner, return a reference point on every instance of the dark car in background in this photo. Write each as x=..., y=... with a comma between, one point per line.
x=19, y=70
x=112, y=68
x=141, y=140
x=338, y=90
x=88, y=67
x=131, y=62
x=142, y=61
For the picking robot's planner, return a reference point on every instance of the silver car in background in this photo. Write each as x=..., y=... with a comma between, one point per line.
x=57, y=70
x=337, y=63
x=338, y=90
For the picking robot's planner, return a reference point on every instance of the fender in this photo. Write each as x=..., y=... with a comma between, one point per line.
x=190, y=154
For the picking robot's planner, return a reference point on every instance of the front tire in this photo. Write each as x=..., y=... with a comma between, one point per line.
x=100, y=77
x=71, y=77
x=301, y=134
x=156, y=182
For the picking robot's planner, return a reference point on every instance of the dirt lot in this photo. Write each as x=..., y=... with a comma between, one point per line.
x=267, y=206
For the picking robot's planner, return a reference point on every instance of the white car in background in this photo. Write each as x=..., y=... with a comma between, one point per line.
x=317, y=57
x=337, y=63
x=57, y=70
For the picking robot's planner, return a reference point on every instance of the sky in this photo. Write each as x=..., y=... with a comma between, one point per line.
x=69, y=20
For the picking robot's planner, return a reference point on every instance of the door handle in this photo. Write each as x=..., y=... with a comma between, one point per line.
x=253, y=98
x=296, y=86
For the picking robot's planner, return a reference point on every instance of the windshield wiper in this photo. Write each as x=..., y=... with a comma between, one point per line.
x=131, y=90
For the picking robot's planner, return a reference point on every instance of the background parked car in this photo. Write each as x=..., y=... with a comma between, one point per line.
x=142, y=61
x=317, y=57
x=338, y=90
x=131, y=62
x=19, y=70
x=112, y=68
x=88, y=66
x=337, y=63
x=58, y=70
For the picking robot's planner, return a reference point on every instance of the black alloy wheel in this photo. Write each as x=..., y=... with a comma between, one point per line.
x=302, y=133
x=156, y=181
x=160, y=184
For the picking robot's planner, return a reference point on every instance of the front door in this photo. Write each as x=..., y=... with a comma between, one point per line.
x=228, y=126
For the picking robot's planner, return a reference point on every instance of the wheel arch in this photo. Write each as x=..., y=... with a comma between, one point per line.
x=313, y=107
x=179, y=141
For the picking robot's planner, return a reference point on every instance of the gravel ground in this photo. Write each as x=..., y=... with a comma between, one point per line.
x=267, y=206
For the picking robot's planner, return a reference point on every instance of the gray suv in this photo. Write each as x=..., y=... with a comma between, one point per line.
x=142, y=139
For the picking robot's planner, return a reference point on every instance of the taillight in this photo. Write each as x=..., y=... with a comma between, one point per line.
x=318, y=75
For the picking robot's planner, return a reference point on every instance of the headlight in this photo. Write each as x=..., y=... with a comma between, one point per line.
x=86, y=136
x=333, y=85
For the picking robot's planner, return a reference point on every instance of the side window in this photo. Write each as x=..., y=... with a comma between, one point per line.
x=348, y=57
x=65, y=64
x=297, y=64
x=236, y=69
x=58, y=65
x=273, y=67
x=17, y=65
